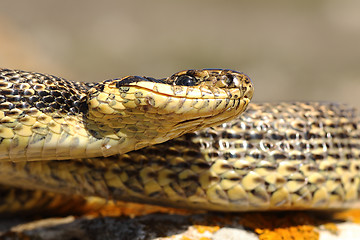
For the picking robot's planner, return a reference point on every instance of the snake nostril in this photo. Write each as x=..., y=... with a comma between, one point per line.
x=230, y=79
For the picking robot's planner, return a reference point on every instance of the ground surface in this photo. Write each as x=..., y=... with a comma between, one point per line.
x=136, y=221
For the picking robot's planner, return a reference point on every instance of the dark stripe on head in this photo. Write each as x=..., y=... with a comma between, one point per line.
x=135, y=79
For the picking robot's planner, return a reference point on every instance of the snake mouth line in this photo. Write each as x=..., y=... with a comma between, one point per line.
x=202, y=97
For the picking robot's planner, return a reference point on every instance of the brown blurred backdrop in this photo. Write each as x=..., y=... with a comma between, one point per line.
x=293, y=50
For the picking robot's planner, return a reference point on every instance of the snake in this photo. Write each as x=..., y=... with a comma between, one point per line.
x=184, y=141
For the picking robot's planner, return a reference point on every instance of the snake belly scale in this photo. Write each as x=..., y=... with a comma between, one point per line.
x=275, y=156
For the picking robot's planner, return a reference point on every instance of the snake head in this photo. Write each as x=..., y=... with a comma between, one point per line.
x=150, y=111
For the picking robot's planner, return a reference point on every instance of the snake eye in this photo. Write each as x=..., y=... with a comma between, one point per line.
x=186, y=80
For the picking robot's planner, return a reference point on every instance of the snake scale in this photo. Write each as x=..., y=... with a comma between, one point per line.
x=94, y=140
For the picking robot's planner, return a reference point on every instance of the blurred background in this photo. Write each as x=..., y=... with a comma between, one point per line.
x=292, y=50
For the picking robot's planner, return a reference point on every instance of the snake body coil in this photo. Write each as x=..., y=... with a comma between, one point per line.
x=273, y=157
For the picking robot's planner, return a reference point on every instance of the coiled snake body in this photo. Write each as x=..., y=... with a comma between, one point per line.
x=274, y=156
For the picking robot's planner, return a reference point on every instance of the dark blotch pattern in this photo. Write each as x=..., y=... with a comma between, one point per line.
x=47, y=93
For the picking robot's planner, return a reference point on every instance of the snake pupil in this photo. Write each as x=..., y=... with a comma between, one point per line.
x=186, y=80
